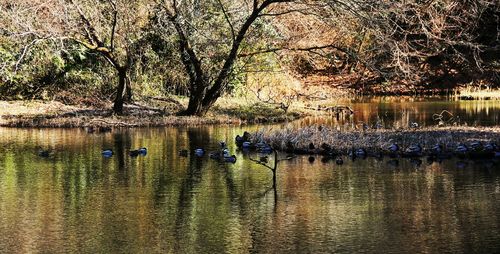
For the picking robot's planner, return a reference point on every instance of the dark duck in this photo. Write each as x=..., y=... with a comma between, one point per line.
x=141, y=151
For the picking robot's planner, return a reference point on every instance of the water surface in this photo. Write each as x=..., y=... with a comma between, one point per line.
x=399, y=112
x=78, y=201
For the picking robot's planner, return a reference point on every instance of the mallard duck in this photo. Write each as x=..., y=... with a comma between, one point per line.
x=311, y=146
x=141, y=151
x=413, y=150
x=239, y=140
x=360, y=152
x=437, y=149
x=266, y=149
x=107, y=153
x=246, y=145
x=199, y=152
x=476, y=145
x=231, y=159
x=393, y=148
x=339, y=161
x=490, y=147
x=461, y=149
x=311, y=159
x=44, y=153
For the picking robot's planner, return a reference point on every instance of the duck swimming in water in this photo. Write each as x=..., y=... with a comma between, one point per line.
x=476, y=145
x=266, y=149
x=393, y=148
x=339, y=161
x=246, y=145
x=107, y=153
x=490, y=147
x=44, y=153
x=413, y=150
x=360, y=152
x=239, y=140
x=199, y=152
x=437, y=149
x=141, y=151
x=231, y=159
x=461, y=149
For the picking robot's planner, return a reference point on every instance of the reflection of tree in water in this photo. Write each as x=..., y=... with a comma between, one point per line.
x=193, y=177
x=121, y=145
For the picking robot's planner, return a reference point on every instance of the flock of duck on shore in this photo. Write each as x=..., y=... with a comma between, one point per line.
x=472, y=150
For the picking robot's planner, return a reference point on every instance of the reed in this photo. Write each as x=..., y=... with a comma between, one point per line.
x=299, y=139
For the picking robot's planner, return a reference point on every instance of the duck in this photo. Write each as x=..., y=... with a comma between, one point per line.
x=476, y=145
x=107, y=153
x=413, y=150
x=246, y=136
x=461, y=149
x=199, y=152
x=246, y=145
x=339, y=161
x=225, y=152
x=143, y=151
x=393, y=148
x=311, y=146
x=222, y=144
x=311, y=159
x=326, y=147
x=239, y=140
x=183, y=153
x=231, y=159
x=490, y=147
x=437, y=149
x=44, y=153
x=266, y=149
x=360, y=152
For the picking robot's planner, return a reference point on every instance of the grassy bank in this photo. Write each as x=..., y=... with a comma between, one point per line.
x=299, y=140
x=147, y=113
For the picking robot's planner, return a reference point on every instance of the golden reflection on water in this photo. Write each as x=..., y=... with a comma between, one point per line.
x=400, y=112
x=78, y=201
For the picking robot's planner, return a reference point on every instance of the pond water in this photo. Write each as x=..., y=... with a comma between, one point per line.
x=78, y=201
x=402, y=111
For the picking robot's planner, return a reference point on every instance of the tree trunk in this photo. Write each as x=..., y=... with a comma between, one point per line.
x=195, y=106
x=120, y=91
x=128, y=92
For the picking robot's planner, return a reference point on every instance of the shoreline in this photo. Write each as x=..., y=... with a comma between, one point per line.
x=53, y=114
x=319, y=140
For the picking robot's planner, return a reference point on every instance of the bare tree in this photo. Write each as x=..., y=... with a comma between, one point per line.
x=210, y=35
x=109, y=28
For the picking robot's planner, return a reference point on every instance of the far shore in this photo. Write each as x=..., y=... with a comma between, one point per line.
x=53, y=114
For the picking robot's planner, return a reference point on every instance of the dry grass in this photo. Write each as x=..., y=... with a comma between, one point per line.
x=474, y=93
x=56, y=114
x=373, y=140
